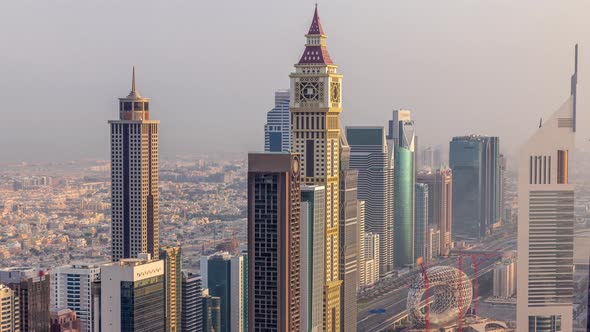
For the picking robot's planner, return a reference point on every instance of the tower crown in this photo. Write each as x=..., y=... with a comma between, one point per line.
x=316, y=50
x=134, y=106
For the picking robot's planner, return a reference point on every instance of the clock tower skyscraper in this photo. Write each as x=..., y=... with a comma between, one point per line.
x=315, y=107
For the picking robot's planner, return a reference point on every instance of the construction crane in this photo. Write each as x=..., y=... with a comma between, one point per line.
x=474, y=255
x=423, y=268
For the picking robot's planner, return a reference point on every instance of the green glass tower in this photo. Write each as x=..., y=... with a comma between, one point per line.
x=401, y=135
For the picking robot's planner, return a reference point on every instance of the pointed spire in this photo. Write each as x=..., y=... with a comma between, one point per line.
x=316, y=51
x=133, y=80
x=134, y=94
x=574, y=88
x=316, y=25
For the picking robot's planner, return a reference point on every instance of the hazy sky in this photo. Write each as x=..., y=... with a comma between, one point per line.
x=211, y=68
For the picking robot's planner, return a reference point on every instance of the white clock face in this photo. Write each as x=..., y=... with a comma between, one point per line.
x=295, y=166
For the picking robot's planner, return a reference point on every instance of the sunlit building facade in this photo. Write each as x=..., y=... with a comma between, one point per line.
x=370, y=155
x=134, y=179
x=440, y=203
x=545, y=285
x=312, y=256
x=71, y=287
x=316, y=104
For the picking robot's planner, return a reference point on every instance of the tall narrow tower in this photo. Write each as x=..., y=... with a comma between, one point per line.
x=134, y=178
x=545, y=266
x=315, y=109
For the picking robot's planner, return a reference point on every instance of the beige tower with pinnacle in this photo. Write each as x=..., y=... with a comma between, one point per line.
x=134, y=179
x=315, y=106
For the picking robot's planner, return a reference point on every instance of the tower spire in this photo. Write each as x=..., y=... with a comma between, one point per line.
x=316, y=25
x=134, y=94
x=133, y=80
x=316, y=51
x=574, y=87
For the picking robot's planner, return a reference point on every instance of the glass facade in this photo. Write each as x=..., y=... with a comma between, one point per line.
x=143, y=305
x=219, y=284
x=404, y=207
x=475, y=161
x=544, y=323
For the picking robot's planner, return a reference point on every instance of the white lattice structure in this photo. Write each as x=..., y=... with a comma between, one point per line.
x=448, y=288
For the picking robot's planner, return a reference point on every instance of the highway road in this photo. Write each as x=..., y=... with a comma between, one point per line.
x=393, y=301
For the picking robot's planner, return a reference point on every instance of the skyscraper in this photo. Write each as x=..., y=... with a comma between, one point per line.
x=401, y=135
x=312, y=256
x=211, y=312
x=348, y=239
x=173, y=286
x=32, y=287
x=546, y=223
x=475, y=163
x=134, y=178
x=315, y=108
x=427, y=156
x=277, y=130
x=370, y=155
x=274, y=199
x=192, y=303
x=223, y=275
x=361, y=244
x=71, y=287
x=9, y=310
x=132, y=295
x=371, y=258
x=504, y=277
x=421, y=218
x=433, y=243
x=440, y=203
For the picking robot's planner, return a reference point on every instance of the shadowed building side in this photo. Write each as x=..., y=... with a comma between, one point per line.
x=274, y=261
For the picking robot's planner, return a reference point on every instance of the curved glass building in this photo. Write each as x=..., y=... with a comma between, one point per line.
x=402, y=136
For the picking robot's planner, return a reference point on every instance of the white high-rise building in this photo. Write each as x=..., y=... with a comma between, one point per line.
x=546, y=223
x=504, y=279
x=132, y=295
x=71, y=287
x=370, y=155
x=361, y=244
x=9, y=310
x=134, y=177
x=371, y=258
x=277, y=130
x=312, y=256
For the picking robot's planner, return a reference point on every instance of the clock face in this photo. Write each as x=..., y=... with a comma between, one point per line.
x=295, y=166
x=335, y=92
x=308, y=91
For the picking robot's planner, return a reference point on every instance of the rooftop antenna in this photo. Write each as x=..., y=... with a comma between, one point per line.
x=133, y=80
x=574, y=87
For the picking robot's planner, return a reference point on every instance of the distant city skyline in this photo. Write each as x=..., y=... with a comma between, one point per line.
x=478, y=62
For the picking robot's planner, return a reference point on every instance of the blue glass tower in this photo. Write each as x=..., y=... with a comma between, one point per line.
x=277, y=130
x=476, y=185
